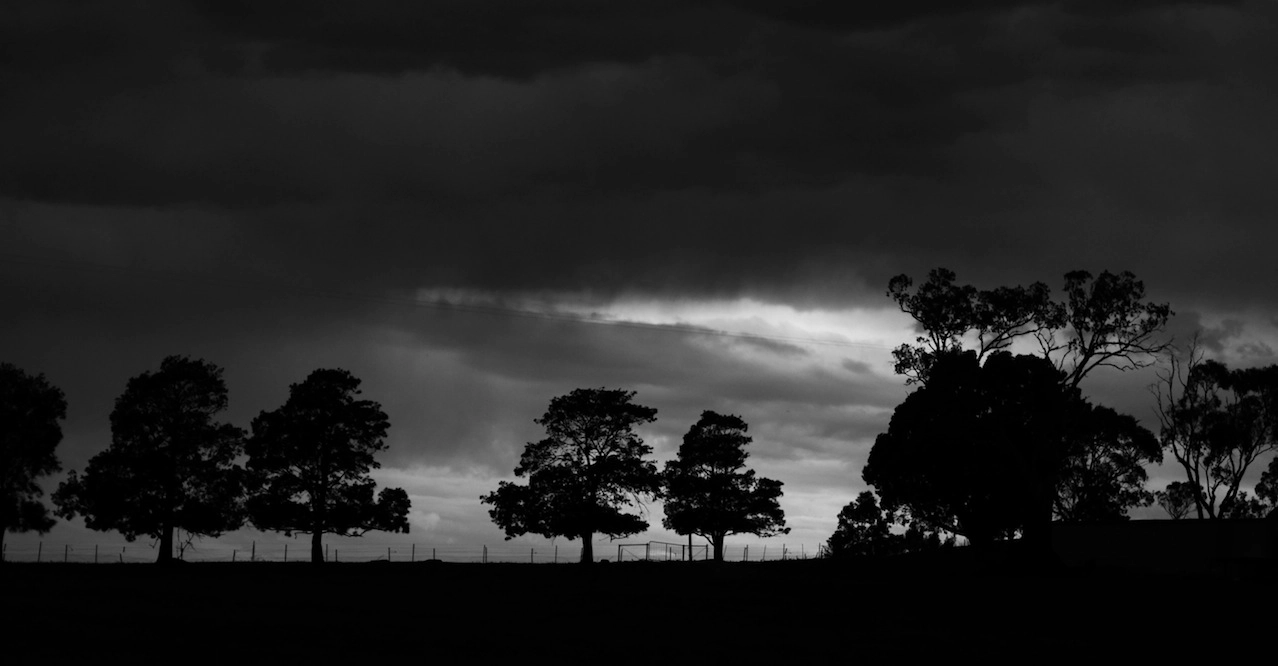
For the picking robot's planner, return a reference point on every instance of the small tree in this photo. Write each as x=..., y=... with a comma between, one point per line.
x=310, y=459
x=1217, y=422
x=865, y=529
x=581, y=477
x=1267, y=489
x=170, y=466
x=1177, y=499
x=709, y=491
x=30, y=409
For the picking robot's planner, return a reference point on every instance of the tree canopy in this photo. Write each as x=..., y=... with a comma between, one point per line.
x=1267, y=489
x=584, y=474
x=1177, y=499
x=1103, y=471
x=170, y=465
x=1102, y=321
x=310, y=460
x=30, y=411
x=710, y=492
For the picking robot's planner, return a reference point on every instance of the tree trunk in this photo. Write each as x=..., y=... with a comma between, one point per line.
x=718, y=547
x=317, y=547
x=587, y=548
x=166, y=546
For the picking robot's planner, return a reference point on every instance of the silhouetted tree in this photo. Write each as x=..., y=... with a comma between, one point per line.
x=583, y=474
x=1217, y=422
x=310, y=461
x=1101, y=322
x=709, y=492
x=1103, y=473
x=30, y=409
x=170, y=466
x=977, y=449
x=863, y=529
x=1177, y=499
x=1267, y=489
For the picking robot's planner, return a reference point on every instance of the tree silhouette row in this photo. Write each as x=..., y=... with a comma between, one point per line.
x=172, y=469
x=996, y=440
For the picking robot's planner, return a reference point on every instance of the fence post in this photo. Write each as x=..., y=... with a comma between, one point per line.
x=95, y=553
x=285, y=552
x=388, y=553
x=325, y=552
x=618, y=552
x=335, y=558
x=253, y=553
x=485, y=554
x=531, y=553
x=66, y=550
x=556, y=553
x=232, y=555
x=413, y=556
x=39, y=551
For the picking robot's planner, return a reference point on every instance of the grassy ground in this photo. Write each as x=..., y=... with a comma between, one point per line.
x=775, y=612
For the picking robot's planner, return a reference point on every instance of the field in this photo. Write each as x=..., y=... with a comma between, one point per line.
x=776, y=612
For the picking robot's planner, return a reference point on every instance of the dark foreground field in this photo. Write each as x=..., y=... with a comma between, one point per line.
x=779, y=612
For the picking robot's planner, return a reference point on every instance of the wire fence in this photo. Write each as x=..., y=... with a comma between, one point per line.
x=652, y=551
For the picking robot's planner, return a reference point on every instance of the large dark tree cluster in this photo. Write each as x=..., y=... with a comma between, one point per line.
x=993, y=444
x=977, y=450
x=172, y=468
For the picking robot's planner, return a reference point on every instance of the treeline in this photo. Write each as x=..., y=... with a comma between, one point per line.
x=996, y=445
x=991, y=444
x=174, y=473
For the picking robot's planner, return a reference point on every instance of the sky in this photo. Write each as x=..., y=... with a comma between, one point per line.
x=478, y=206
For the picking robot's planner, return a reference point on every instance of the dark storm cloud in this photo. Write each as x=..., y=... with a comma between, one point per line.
x=135, y=106
x=803, y=154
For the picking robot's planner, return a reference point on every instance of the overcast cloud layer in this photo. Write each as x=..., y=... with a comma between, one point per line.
x=271, y=185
